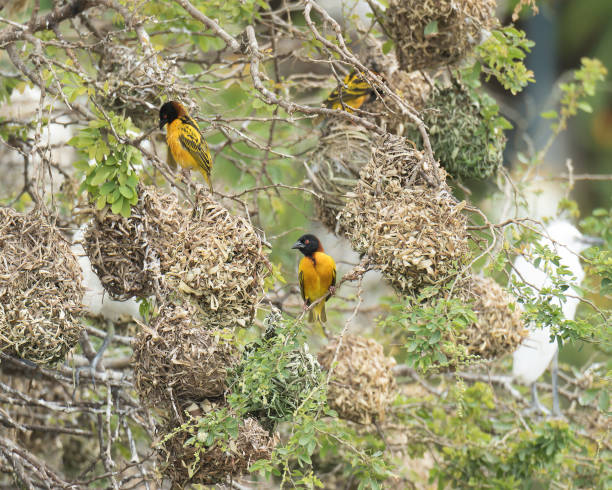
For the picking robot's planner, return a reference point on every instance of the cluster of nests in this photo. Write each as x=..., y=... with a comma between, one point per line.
x=389, y=200
x=206, y=268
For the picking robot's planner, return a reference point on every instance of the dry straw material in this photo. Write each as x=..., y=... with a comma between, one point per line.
x=206, y=253
x=345, y=148
x=217, y=259
x=412, y=231
x=431, y=33
x=499, y=329
x=216, y=464
x=40, y=289
x=177, y=360
x=362, y=384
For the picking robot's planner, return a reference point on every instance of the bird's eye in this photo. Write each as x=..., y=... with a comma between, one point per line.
x=306, y=242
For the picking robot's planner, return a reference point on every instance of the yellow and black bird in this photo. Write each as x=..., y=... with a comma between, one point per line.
x=185, y=141
x=316, y=274
x=352, y=94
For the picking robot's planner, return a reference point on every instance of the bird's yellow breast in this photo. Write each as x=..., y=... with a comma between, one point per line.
x=318, y=275
x=180, y=154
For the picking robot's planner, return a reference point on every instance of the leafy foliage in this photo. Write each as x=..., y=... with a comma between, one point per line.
x=429, y=328
x=109, y=166
x=501, y=56
x=277, y=377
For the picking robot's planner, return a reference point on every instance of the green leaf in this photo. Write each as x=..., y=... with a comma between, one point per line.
x=431, y=28
x=387, y=46
x=117, y=206
x=550, y=115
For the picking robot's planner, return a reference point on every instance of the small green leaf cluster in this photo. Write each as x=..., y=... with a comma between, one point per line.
x=277, y=377
x=501, y=56
x=429, y=324
x=108, y=165
x=574, y=93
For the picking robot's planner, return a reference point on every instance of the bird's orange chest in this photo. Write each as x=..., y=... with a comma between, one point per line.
x=318, y=273
x=180, y=154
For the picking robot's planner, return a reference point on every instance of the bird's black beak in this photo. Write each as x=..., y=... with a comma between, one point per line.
x=297, y=245
x=592, y=241
x=162, y=123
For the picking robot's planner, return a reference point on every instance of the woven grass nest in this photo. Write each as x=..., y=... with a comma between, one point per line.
x=499, y=329
x=206, y=253
x=178, y=360
x=362, y=384
x=217, y=463
x=432, y=33
x=133, y=78
x=463, y=132
x=412, y=231
x=40, y=289
x=345, y=148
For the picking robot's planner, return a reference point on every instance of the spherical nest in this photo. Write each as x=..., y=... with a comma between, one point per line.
x=291, y=375
x=463, y=132
x=412, y=231
x=217, y=259
x=214, y=464
x=205, y=253
x=177, y=359
x=334, y=169
x=499, y=329
x=431, y=33
x=133, y=82
x=362, y=384
x=40, y=289
x=121, y=250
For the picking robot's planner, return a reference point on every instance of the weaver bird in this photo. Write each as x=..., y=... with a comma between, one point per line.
x=186, y=144
x=316, y=274
x=353, y=93
x=537, y=350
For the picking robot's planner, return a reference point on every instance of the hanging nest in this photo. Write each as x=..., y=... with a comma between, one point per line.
x=464, y=132
x=334, y=170
x=214, y=464
x=206, y=253
x=291, y=374
x=499, y=329
x=432, y=33
x=362, y=384
x=412, y=231
x=122, y=250
x=217, y=259
x=177, y=359
x=136, y=83
x=40, y=289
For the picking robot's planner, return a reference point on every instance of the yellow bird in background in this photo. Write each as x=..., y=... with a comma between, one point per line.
x=353, y=93
x=187, y=146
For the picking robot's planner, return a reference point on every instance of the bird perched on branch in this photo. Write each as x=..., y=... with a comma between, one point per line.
x=186, y=144
x=353, y=93
x=316, y=274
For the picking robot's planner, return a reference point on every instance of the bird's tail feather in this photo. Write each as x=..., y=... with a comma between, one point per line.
x=317, y=314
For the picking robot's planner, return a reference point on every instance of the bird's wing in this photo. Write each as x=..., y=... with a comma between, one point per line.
x=301, y=279
x=355, y=87
x=191, y=139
